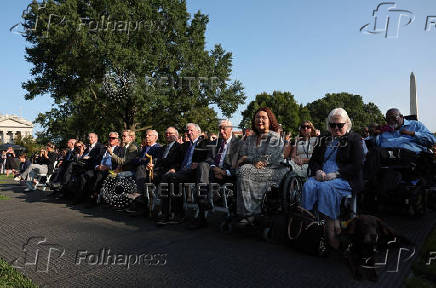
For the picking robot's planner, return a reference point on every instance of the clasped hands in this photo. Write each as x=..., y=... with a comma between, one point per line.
x=322, y=176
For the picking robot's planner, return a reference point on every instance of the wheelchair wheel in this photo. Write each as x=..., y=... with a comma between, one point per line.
x=292, y=191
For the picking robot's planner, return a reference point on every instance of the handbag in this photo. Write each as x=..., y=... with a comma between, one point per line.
x=307, y=232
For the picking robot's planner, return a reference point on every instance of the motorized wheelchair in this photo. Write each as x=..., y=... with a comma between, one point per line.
x=397, y=180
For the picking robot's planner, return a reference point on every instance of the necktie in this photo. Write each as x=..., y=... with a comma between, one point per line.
x=220, y=153
x=167, y=150
x=187, y=155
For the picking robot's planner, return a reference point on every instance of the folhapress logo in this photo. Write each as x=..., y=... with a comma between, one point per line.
x=387, y=19
x=38, y=254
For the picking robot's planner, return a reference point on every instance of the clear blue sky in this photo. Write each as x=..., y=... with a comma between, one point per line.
x=309, y=48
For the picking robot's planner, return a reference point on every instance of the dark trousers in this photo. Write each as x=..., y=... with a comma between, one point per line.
x=175, y=202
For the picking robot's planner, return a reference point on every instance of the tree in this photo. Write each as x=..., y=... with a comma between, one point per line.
x=361, y=114
x=29, y=143
x=110, y=65
x=282, y=104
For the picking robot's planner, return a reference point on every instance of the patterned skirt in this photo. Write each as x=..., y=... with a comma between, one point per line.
x=252, y=184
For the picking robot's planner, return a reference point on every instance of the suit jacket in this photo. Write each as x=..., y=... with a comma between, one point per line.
x=69, y=155
x=349, y=159
x=201, y=151
x=231, y=157
x=171, y=161
x=155, y=152
x=128, y=161
x=119, y=151
x=95, y=155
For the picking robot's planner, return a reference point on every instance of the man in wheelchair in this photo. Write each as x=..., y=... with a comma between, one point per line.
x=401, y=163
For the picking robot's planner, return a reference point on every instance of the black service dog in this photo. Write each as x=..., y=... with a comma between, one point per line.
x=363, y=237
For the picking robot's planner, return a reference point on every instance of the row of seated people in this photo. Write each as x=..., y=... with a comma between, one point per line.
x=335, y=163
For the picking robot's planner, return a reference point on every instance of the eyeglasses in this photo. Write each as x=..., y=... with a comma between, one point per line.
x=339, y=125
x=305, y=127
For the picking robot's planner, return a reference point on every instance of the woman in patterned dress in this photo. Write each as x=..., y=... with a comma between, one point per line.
x=260, y=157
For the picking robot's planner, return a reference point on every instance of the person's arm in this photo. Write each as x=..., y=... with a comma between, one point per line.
x=423, y=135
x=243, y=154
x=288, y=151
x=316, y=161
x=354, y=166
x=275, y=151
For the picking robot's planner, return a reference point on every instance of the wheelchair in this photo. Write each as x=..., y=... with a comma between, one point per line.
x=276, y=204
x=400, y=184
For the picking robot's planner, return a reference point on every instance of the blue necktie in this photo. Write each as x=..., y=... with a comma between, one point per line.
x=188, y=153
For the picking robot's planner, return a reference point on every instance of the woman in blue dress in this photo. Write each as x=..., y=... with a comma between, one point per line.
x=336, y=166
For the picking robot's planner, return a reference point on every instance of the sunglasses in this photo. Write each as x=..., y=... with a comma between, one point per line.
x=339, y=125
x=112, y=138
x=305, y=127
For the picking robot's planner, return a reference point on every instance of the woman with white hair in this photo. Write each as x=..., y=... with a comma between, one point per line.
x=336, y=166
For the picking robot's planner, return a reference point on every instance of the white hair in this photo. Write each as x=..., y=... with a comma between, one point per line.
x=343, y=114
x=153, y=132
x=177, y=132
x=195, y=125
x=225, y=122
x=113, y=132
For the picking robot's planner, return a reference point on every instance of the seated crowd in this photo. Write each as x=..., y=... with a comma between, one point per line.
x=332, y=165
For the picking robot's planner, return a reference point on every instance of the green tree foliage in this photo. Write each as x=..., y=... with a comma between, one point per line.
x=283, y=105
x=29, y=143
x=361, y=114
x=117, y=64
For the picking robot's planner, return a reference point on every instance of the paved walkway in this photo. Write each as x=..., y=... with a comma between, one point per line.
x=180, y=258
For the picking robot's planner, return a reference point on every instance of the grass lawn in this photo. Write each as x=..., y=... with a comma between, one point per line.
x=424, y=275
x=11, y=278
x=4, y=177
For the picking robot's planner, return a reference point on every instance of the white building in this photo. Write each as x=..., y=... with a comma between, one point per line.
x=12, y=126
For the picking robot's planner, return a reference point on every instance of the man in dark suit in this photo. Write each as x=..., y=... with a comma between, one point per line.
x=219, y=168
x=190, y=154
x=144, y=171
x=94, y=152
x=145, y=167
x=168, y=163
x=92, y=157
x=63, y=174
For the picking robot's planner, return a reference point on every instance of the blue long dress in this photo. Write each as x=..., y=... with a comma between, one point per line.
x=328, y=194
